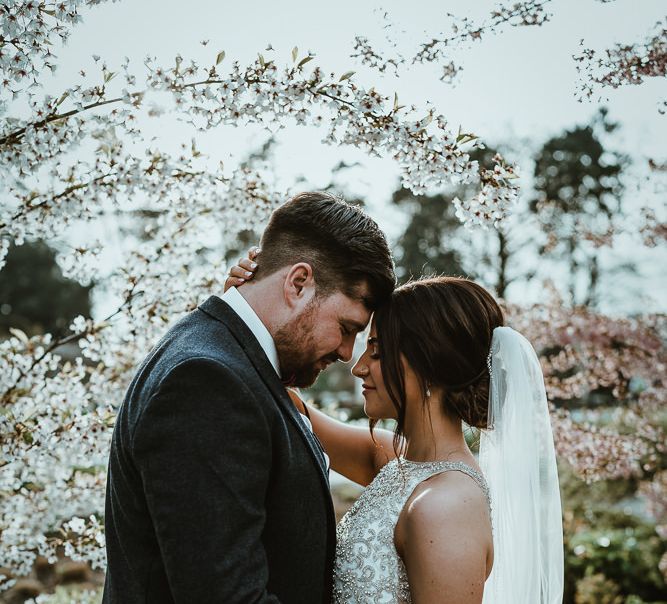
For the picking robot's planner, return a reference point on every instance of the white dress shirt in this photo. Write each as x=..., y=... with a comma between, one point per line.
x=241, y=307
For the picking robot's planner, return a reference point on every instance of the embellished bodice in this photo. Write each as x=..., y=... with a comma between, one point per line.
x=368, y=568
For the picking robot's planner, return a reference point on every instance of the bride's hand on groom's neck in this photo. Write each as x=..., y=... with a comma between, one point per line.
x=243, y=270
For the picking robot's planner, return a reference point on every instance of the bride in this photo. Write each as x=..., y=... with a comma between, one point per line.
x=435, y=524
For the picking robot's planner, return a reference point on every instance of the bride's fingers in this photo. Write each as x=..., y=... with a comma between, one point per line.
x=247, y=264
x=243, y=270
x=233, y=282
x=239, y=272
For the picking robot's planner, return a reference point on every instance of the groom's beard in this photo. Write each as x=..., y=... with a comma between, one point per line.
x=295, y=343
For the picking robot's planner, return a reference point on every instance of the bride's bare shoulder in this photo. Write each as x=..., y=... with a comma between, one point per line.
x=444, y=538
x=446, y=495
x=451, y=500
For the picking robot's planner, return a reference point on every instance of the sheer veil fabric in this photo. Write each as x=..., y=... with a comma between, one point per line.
x=518, y=459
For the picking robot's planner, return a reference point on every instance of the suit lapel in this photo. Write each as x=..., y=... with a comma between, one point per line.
x=221, y=311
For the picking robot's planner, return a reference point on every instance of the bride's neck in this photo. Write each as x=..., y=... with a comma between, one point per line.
x=434, y=436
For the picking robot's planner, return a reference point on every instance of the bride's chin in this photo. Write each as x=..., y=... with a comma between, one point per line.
x=372, y=413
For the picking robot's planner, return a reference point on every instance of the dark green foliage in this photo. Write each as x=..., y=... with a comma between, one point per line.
x=423, y=248
x=336, y=387
x=609, y=550
x=239, y=249
x=34, y=295
x=622, y=548
x=578, y=185
x=597, y=589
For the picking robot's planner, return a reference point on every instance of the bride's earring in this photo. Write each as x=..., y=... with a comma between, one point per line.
x=428, y=392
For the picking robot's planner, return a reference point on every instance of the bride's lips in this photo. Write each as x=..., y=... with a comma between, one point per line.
x=366, y=388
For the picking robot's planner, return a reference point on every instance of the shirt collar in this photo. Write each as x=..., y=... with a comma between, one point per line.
x=241, y=307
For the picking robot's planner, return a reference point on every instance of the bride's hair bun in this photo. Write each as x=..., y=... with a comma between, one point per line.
x=471, y=403
x=443, y=327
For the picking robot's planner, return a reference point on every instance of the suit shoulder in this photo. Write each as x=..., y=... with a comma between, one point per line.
x=197, y=336
x=193, y=342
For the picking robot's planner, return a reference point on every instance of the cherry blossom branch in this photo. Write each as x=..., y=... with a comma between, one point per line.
x=464, y=30
x=15, y=136
x=91, y=328
x=526, y=13
x=359, y=114
x=624, y=64
x=32, y=27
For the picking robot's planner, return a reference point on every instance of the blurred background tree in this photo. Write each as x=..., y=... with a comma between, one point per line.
x=426, y=246
x=435, y=243
x=578, y=185
x=34, y=295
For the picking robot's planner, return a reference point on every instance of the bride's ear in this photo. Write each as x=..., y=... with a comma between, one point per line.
x=299, y=286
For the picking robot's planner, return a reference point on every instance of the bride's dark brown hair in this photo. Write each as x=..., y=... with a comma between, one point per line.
x=443, y=327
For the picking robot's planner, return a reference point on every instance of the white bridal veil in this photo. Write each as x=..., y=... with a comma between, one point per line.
x=518, y=460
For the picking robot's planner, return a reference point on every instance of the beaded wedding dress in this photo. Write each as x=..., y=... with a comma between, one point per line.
x=367, y=568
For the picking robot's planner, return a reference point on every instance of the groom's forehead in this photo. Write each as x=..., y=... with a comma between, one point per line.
x=360, y=294
x=350, y=308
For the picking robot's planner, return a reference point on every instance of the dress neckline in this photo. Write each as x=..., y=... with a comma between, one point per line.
x=460, y=466
x=402, y=459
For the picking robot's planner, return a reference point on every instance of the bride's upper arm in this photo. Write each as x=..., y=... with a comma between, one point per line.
x=351, y=449
x=442, y=538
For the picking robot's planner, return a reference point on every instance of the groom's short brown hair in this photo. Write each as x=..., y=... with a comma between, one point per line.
x=343, y=245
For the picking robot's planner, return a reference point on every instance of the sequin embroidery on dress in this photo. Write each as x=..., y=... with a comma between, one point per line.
x=368, y=568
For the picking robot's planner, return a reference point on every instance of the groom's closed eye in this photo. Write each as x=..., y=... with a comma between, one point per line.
x=358, y=327
x=351, y=327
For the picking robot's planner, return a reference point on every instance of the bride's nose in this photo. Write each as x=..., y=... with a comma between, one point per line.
x=360, y=369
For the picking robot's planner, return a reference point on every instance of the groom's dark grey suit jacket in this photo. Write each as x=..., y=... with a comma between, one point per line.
x=216, y=491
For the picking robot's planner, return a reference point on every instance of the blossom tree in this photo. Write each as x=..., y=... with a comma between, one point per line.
x=605, y=380
x=590, y=357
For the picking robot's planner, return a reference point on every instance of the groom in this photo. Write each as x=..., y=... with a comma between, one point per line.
x=217, y=490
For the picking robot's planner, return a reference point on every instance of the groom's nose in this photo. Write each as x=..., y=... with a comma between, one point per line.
x=344, y=351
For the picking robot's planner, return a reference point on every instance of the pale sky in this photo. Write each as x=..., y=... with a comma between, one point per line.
x=517, y=86
x=519, y=83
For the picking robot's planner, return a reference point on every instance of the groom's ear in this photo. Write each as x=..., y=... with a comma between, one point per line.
x=299, y=286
